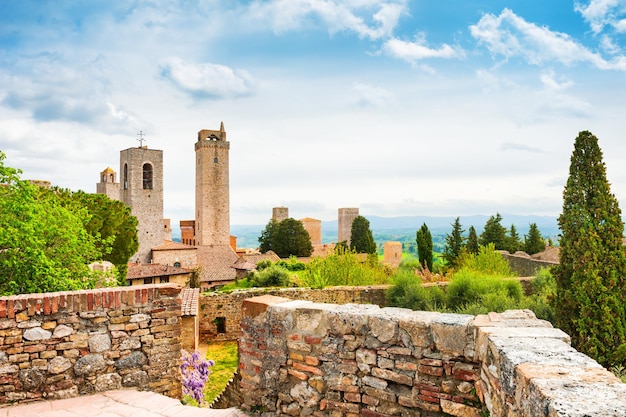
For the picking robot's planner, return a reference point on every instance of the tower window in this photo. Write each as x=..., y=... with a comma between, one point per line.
x=147, y=176
x=126, y=176
x=177, y=264
x=215, y=160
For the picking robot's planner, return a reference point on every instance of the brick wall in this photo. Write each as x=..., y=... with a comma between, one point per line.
x=213, y=307
x=301, y=358
x=65, y=344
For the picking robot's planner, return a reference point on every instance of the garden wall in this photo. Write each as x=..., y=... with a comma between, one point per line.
x=525, y=266
x=65, y=344
x=220, y=313
x=302, y=358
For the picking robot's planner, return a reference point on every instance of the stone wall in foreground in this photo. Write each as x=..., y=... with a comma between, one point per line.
x=65, y=344
x=300, y=358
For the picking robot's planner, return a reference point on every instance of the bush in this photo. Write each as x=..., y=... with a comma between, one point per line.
x=470, y=286
x=408, y=292
x=261, y=265
x=487, y=261
x=273, y=276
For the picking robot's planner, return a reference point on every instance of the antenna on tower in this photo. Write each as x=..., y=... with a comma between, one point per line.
x=141, y=138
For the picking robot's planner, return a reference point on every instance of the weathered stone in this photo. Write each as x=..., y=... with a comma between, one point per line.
x=305, y=395
x=99, y=343
x=136, y=318
x=383, y=329
x=130, y=343
x=62, y=330
x=459, y=410
x=375, y=382
x=108, y=382
x=31, y=379
x=134, y=360
x=59, y=364
x=89, y=364
x=37, y=333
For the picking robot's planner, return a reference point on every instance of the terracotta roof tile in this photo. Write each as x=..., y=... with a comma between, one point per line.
x=258, y=257
x=190, y=301
x=169, y=245
x=216, y=263
x=153, y=270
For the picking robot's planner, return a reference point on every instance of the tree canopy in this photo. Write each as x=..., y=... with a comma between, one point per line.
x=472, y=241
x=361, y=237
x=286, y=238
x=533, y=241
x=494, y=233
x=590, y=300
x=425, y=247
x=45, y=243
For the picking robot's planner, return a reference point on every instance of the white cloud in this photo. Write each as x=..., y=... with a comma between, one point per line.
x=509, y=35
x=510, y=146
x=366, y=18
x=207, y=80
x=601, y=13
x=369, y=95
x=549, y=81
x=419, y=50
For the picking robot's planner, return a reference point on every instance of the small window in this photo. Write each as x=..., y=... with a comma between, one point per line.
x=112, y=177
x=177, y=264
x=220, y=323
x=215, y=160
x=147, y=280
x=126, y=176
x=165, y=280
x=147, y=177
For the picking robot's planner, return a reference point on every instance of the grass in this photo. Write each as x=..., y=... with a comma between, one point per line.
x=224, y=354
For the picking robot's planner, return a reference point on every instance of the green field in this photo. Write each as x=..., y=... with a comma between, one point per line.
x=224, y=354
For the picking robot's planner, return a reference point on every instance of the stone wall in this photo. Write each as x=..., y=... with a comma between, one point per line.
x=220, y=313
x=65, y=344
x=299, y=358
x=525, y=266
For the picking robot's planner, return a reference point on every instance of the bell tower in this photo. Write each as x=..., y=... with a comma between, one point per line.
x=141, y=189
x=212, y=188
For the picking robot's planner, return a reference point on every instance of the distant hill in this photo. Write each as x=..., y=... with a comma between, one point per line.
x=398, y=228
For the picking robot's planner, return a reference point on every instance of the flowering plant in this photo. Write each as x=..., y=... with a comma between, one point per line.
x=195, y=373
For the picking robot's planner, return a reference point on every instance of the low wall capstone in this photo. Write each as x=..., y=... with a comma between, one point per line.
x=300, y=358
x=65, y=344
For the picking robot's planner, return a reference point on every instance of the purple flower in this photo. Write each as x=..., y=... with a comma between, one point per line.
x=195, y=372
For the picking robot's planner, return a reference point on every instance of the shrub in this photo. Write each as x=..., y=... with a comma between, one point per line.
x=343, y=268
x=408, y=292
x=273, y=276
x=261, y=265
x=470, y=286
x=487, y=261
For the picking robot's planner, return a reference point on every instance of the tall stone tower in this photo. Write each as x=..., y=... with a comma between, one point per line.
x=280, y=213
x=344, y=223
x=141, y=188
x=212, y=188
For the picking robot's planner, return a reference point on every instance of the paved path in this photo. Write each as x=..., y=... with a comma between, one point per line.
x=121, y=403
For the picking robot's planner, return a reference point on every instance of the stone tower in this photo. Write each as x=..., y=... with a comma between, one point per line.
x=108, y=184
x=314, y=228
x=212, y=188
x=344, y=223
x=141, y=188
x=280, y=213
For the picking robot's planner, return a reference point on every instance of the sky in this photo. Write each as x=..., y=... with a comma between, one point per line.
x=396, y=107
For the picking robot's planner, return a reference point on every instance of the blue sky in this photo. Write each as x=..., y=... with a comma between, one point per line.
x=397, y=107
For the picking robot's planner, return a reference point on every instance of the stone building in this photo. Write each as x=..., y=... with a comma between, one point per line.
x=314, y=228
x=280, y=213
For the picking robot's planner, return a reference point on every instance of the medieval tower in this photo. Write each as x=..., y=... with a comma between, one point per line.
x=212, y=188
x=344, y=224
x=108, y=184
x=141, y=189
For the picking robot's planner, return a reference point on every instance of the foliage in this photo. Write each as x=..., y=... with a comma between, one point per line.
x=273, y=276
x=591, y=289
x=44, y=246
x=286, y=238
x=544, y=290
x=472, y=241
x=268, y=236
x=261, y=265
x=224, y=356
x=195, y=373
x=407, y=292
x=425, y=247
x=343, y=268
x=494, y=233
x=454, y=244
x=487, y=261
x=361, y=238
x=292, y=265
x=513, y=241
x=469, y=287
x=533, y=241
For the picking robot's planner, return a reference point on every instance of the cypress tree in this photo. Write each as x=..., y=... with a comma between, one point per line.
x=590, y=300
x=454, y=244
x=425, y=247
x=361, y=237
x=533, y=241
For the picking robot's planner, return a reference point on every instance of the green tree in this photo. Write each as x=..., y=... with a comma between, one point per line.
x=513, y=241
x=454, y=244
x=291, y=238
x=590, y=302
x=425, y=247
x=43, y=246
x=533, y=241
x=494, y=233
x=268, y=236
x=361, y=238
x=472, y=245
